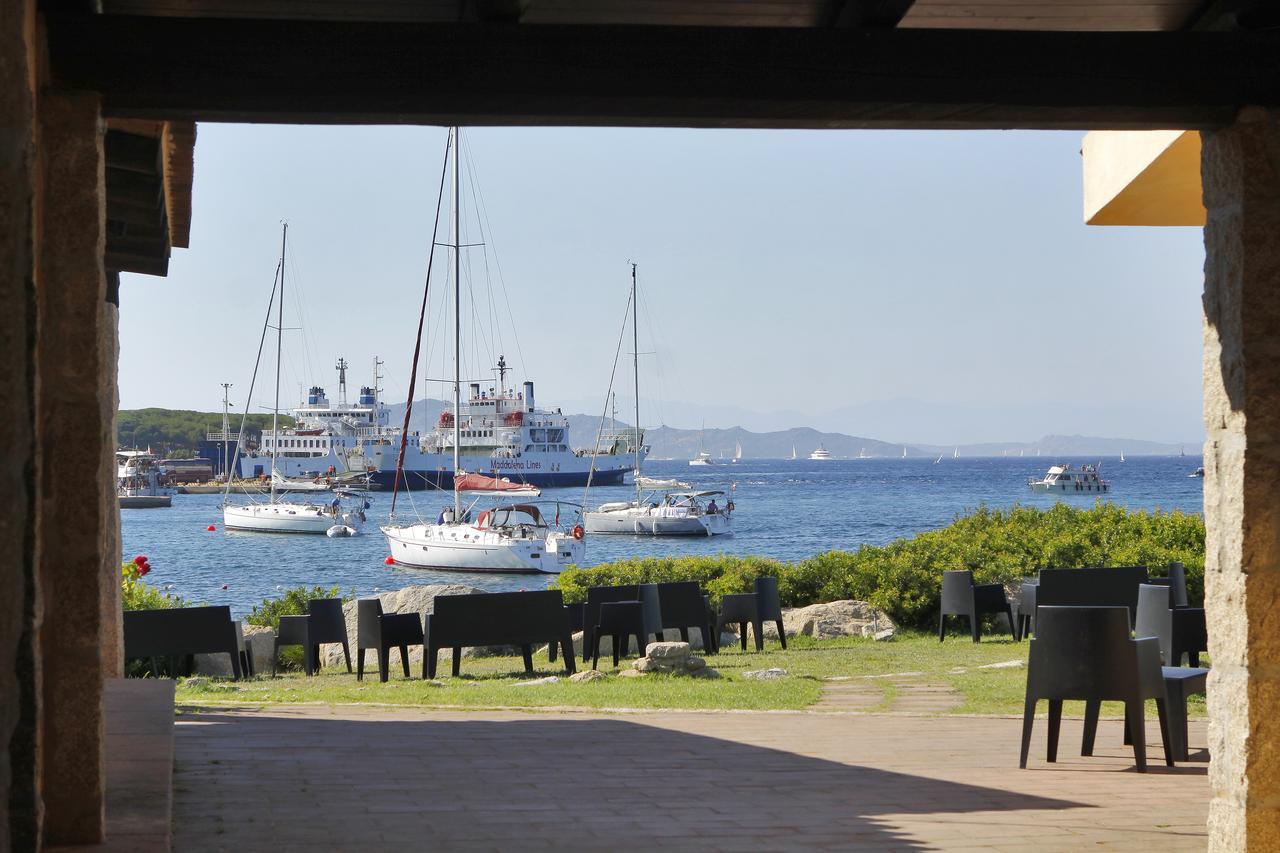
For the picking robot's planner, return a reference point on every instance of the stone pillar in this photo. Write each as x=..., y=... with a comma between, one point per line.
x=1241, y=175
x=77, y=526
x=19, y=599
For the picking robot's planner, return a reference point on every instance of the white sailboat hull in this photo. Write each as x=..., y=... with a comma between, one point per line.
x=282, y=518
x=463, y=548
x=643, y=521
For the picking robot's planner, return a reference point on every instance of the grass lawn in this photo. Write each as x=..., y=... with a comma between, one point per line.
x=489, y=682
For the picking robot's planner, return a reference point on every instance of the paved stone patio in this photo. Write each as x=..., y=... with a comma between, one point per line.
x=358, y=778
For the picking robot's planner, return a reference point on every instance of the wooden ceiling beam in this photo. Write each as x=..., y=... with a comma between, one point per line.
x=872, y=14
x=119, y=262
x=362, y=72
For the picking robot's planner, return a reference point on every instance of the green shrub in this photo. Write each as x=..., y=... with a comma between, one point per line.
x=904, y=577
x=136, y=594
x=293, y=602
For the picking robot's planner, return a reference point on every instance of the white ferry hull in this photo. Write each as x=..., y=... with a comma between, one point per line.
x=417, y=546
x=279, y=518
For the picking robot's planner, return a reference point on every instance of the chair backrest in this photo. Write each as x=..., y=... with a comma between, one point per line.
x=651, y=602
x=597, y=595
x=682, y=604
x=179, y=631
x=768, y=602
x=498, y=618
x=369, y=623
x=1081, y=653
x=1177, y=583
x=1092, y=587
x=327, y=622
x=957, y=591
x=574, y=613
x=1155, y=617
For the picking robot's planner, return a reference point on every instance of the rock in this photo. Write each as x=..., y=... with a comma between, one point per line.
x=834, y=619
x=550, y=679
x=647, y=665
x=410, y=599
x=666, y=651
x=881, y=636
x=261, y=641
x=587, y=675
x=705, y=672
x=695, y=637
x=195, y=682
x=631, y=673
x=1008, y=664
x=694, y=663
x=765, y=674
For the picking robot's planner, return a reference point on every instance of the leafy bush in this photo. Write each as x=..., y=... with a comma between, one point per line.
x=292, y=603
x=138, y=595
x=904, y=577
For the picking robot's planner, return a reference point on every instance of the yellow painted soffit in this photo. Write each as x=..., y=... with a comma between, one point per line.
x=1142, y=178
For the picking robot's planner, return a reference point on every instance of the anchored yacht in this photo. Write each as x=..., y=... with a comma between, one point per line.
x=820, y=453
x=141, y=481
x=1065, y=480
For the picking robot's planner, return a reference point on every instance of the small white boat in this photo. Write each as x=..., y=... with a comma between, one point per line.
x=1065, y=480
x=677, y=514
x=703, y=458
x=820, y=454
x=654, y=483
x=506, y=538
x=862, y=454
x=340, y=531
x=141, y=481
x=1199, y=472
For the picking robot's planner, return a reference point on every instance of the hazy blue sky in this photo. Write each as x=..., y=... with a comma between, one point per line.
x=793, y=275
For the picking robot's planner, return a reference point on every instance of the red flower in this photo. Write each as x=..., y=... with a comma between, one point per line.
x=143, y=568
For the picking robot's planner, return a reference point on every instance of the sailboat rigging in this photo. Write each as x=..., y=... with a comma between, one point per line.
x=506, y=536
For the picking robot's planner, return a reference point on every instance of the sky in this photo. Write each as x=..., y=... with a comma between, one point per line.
x=909, y=286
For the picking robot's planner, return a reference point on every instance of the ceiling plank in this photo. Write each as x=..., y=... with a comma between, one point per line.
x=353, y=72
x=872, y=14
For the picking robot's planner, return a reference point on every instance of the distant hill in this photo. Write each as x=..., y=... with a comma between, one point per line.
x=170, y=429
x=170, y=432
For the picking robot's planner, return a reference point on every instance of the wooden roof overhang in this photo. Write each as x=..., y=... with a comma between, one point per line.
x=149, y=168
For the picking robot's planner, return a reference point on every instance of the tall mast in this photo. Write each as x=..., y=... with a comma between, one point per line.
x=275, y=410
x=226, y=429
x=635, y=368
x=457, y=324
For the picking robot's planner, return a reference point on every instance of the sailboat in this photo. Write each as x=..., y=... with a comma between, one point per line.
x=703, y=457
x=792, y=458
x=1121, y=455
x=904, y=453
x=938, y=460
x=510, y=535
x=737, y=452
x=955, y=454
x=278, y=516
x=685, y=513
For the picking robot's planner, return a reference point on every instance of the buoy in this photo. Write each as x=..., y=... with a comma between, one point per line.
x=390, y=561
x=224, y=586
x=211, y=528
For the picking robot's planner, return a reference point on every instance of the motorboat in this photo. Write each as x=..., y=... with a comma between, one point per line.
x=507, y=536
x=1063, y=479
x=820, y=454
x=656, y=483
x=1199, y=472
x=141, y=482
x=675, y=514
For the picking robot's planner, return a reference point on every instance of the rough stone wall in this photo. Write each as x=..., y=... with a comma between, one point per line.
x=19, y=802
x=75, y=399
x=1241, y=177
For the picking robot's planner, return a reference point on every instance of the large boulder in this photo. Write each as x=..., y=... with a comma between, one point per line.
x=261, y=642
x=831, y=620
x=410, y=599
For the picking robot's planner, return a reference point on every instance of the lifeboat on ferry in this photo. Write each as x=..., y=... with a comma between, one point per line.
x=317, y=431
x=446, y=420
x=514, y=419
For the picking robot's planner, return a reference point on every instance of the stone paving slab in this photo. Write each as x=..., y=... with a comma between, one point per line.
x=369, y=778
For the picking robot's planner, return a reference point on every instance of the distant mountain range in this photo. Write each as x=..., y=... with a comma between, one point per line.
x=673, y=443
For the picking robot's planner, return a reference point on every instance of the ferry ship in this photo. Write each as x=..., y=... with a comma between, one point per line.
x=502, y=434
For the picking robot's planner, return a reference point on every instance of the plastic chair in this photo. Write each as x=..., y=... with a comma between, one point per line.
x=574, y=613
x=1176, y=580
x=1087, y=653
x=596, y=596
x=382, y=632
x=1027, y=609
x=962, y=597
x=742, y=609
x=621, y=620
x=324, y=623
x=683, y=607
x=769, y=605
x=1181, y=631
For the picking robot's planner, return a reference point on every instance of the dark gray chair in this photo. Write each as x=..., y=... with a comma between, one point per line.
x=1092, y=587
x=520, y=619
x=769, y=605
x=1182, y=631
x=1027, y=609
x=1176, y=580
x=962, y=597
x=181, y=631
x=574, y=613
x=246, y=651
x=1086, y=653
x=324, y=623
x=383, y=632
x=683, y=607
x=741, y=609
x=596, y=596
x=621, y=620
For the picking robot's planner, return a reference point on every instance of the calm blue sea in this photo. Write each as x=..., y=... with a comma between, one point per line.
x=786, y=510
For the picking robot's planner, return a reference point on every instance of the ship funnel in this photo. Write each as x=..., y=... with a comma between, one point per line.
x=366, y=396
x=528, y=396
x=475, y=390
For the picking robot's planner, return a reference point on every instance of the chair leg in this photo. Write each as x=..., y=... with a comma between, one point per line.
x=782, y=634
x=620, y=642
x=975, y=627
x=1013, y=629
x=684, y=634
x=457, y=661
x=942, y=626
x=1138, y=732
x=742, y=634
x=566, y=648
x=1028, y=717
x=527, y=652
x=1092, y=708
x=404, y=660
x=275, y=658
x=384, y=663
x=595, y=655
x=1055, y=727
x=758, y=627
x=588, y=643
x=346, y=653
x=552, y=647
x=431, y=655
x=360, y=663
x=710, y=641
x=1165, y=740
x=1176, y=709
